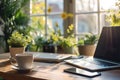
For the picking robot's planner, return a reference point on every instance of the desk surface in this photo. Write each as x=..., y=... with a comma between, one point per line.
x=48, y=71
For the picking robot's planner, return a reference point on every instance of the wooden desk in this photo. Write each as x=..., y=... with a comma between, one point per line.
x=48, y=71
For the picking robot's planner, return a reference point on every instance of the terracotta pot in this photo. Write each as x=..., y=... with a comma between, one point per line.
x=87, y=50
x=16, y=50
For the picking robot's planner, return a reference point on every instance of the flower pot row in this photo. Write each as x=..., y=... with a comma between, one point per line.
x=87, y=50
x=58, y=49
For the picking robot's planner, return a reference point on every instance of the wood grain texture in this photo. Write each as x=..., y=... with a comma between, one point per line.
x=50, y=71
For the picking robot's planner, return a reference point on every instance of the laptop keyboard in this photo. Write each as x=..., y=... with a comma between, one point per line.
x=102, y=63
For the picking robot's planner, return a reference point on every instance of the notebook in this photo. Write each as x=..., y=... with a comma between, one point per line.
x=50, y=57
x=107, y=53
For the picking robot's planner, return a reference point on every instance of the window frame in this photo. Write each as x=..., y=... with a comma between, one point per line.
x=69, y=7
x=46, y=14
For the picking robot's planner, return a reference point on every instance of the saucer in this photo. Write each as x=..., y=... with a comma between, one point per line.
x=21, y=70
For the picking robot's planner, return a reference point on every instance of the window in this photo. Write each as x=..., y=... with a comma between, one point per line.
x=45, y=14
x=90, y=15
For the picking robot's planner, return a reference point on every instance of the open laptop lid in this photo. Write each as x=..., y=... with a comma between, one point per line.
x=108, y=47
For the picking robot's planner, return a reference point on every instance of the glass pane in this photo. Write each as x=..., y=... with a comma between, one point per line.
x=107, y=4
x=38, y=23
x=38, y=6
x=87, y=23
x=52, y=21
x=103, y=21
x=86, y=5
x=54, y=6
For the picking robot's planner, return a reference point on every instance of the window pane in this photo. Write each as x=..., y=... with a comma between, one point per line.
x=52, y=20
x=107, y=4
x=38, y=23
x=55, y=6
x=87, y=23
x=86, y=5
x=38, y=6
x=103, y=21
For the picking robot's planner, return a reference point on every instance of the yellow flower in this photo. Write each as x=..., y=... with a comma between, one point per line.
x=54, y=37
x=64, y=15
x=71, y=27
x=68, y=31
x=18, y=40
x=70, y=15
x=49, y=10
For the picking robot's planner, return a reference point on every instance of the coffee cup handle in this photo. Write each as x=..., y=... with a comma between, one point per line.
x=13, y=61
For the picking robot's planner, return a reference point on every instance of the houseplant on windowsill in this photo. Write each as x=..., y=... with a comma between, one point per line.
x=46, y=44
x=17, y=43
x=49, y=45
x=67, y=44
x=86, y=45
x=113, y=15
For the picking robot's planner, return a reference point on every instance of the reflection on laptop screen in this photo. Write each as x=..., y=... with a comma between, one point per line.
x=108, y=47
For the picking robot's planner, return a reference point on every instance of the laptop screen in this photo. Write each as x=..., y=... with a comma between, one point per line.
x=108, y=47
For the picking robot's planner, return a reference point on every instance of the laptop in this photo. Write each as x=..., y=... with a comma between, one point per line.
x=107, y=53
x=49, y=57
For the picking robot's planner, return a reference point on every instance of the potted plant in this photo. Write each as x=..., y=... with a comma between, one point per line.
x=68, y=44
x=86, y=45
x=17, y=43
x=45, y=44
x=49, y=46
x=14, y=16
x=51, y=43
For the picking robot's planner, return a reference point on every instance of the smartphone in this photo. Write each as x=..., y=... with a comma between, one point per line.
x=82, y=72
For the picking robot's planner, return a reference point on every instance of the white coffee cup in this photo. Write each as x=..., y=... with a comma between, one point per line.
x=23, y=61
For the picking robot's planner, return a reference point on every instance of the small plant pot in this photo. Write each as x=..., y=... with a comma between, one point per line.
x=69, y=50
x=64, y=50
x=60, y=49
x=87, y=50
x=16, y=50
x=49, y=48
